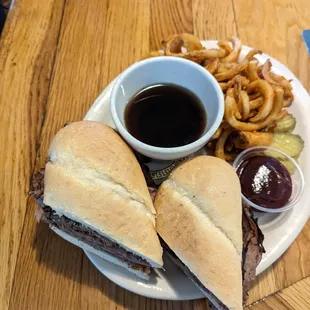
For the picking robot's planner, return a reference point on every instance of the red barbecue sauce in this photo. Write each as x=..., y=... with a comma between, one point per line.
x=265, y=181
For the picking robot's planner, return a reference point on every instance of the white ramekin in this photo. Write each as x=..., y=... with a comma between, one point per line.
x=167, y=70
x=298, y=182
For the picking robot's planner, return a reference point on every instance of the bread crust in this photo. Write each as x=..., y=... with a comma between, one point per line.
x=100, y=148
x=94, y=178
x=192, y=220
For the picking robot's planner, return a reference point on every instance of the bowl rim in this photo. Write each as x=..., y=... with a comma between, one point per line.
x=169, y=150
x=288, y=206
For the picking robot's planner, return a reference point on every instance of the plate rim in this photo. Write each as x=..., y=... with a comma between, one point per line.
x=273, y=257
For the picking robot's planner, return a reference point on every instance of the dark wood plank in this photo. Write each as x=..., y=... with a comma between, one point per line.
x=27, y=50
x=296, y=296
x=169, y=17
x=214, y=20
x=49, y=268
x=96, y=44
x=275, y=27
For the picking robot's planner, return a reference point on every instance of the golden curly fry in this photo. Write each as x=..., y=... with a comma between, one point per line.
x=250, y=55
x=282, y=81
x=190, y=42
x=268, y=94
x=211, y=145
x=224, y=125
x=220, y=144
x=236, y=110
x=211, y=65
x=252, y=71
x=165, y=41
x=229, y=145
x=173, y=44
x=229, y=115
x=234, y=55
x=225, y=46
x=254, y=95
x=259, y=71
x=237, y=86
x=229, y=74
x=217, y=133
x=194, y=50
x=225, y=86
x=223, y=67
x=200, y=56
x=248, y=139
x=266, y=71
x=154, y=54
x=252, y=113
x=288, y=98
x=237, y=89
x=281, y=115
x=245, y=104
x=256, y=103
x=273, y=78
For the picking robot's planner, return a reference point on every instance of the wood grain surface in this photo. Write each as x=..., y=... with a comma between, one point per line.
x=287, y=19
x=296, y=296
x=56, y=56
x=27, y=53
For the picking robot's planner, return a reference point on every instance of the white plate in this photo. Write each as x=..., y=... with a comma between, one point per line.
x=279, y=230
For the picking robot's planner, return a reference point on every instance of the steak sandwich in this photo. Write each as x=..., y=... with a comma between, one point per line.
x=199, y=219
x=92, y=193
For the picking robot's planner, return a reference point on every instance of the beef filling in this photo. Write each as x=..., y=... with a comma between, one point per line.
x=252, y=249
x=79, y=231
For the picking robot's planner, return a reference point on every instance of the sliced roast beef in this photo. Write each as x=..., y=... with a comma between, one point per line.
x=37, y=184
x=77, y=230
x=152, y=192
x=252, y=249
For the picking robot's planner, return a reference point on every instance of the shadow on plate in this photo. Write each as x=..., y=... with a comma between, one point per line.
x=271, y=220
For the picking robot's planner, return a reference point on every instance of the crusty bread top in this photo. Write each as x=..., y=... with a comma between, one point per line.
x=213, y=185
x=102, y=151
x=192, y=220
x=94, y=178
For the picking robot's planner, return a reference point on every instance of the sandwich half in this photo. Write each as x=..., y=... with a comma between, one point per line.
x=92, y=193
x=199, y=216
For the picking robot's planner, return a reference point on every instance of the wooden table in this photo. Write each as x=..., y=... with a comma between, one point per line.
x=56, y=56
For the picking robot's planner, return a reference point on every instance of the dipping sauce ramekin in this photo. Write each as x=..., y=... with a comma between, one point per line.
x=297, y=177
x=167, y=70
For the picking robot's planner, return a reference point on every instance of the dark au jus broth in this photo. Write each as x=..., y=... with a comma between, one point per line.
x=165, y=115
